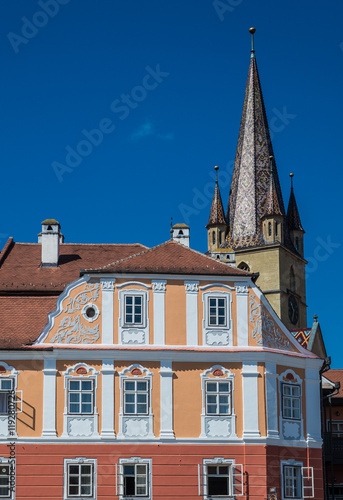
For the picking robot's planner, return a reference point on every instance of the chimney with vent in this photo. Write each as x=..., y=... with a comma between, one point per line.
x=180, y=233
x=50, y=240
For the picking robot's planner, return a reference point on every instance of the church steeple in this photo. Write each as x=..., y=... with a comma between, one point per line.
x=253, y=170
x=217, y=225
x=260, y=236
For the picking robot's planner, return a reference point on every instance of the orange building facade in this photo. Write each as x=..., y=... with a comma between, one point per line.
x=161, y=374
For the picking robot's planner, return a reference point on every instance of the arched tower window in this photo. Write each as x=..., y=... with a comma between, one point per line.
x=214, y=238
x=269, y=228
x=244, y=266
x=220, y=237
x=297, y=243
x=276, y=228
x=292, y=279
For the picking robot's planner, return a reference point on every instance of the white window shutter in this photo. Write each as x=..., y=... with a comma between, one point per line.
x=308, y=483
x=19, y=400
x=237, y=480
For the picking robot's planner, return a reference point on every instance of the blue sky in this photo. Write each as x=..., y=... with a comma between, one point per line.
x=157, y=87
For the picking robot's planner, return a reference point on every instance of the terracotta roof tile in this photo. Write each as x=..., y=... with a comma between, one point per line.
x=22, y=319
x=171, y=258
x=20, y=266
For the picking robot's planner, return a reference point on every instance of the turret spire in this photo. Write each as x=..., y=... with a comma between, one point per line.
x=217, y=214
x=293, y=217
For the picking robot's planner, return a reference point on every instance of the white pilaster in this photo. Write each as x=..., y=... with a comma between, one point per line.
x=242, y=314
x=271, y=396
x=107, y=287
x=166, y=381
x=159, y=290
x=313, y=407
x=192, y=291
x=49, y=398
x=108, y=371
x=250, y=400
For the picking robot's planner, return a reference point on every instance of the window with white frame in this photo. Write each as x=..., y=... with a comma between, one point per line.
x=291, y=401
x=136, y=397
x=220, y=478
x=217, y=318
x=297, y=481
x=134, y=478
x=6, y=386
x=80, y=474
x=133, y=310
x=135, y=413
x=292, y=481
x=218, y=420
x=7, y=478
x=80, y=396
x=217, y=311
x=218, y=397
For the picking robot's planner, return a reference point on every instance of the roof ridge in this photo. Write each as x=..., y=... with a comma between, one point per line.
x=168, y=242
x=6, y=250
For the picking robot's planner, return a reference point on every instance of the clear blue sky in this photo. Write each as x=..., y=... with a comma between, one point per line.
x=165, y=81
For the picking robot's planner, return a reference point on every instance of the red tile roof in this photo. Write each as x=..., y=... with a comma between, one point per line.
x=336, y=376
x=20, y=264
x=171, y=258
x=22, y=319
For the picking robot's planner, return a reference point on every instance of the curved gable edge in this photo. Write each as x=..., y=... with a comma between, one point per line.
x=52, y=315
x=278, y=321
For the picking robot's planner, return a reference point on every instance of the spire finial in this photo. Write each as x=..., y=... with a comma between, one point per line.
x=291, y=176
x=216, y=168
x=315, y=317
x=252, y=31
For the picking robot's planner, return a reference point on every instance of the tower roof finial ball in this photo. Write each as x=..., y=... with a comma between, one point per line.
x=291, y=175
x=252, y=30
x=216, y=167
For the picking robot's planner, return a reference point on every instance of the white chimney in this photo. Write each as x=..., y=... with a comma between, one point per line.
x=50, y=240
x=180, y=233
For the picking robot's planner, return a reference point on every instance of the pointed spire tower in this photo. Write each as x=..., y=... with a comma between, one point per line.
x=217, y=227
x=255, y=168
x=264, y=239
x=294, y=223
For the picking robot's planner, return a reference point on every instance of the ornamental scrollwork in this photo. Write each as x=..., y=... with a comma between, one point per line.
x=159, y=286
x=72, y=331
x=90, y=293
x=265, y=332
x=192, y=287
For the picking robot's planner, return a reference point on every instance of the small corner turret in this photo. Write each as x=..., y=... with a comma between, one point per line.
x=217, y=228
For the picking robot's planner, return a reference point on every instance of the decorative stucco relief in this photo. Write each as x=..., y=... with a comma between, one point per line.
x=265, y=330
x=89, y=293
x=71, y=329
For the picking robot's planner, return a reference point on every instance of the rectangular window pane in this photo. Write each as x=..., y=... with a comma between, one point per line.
x=3, y=402
x=291, y=401
x=142, y=386
x=87, y=385
x=6, y=385
x=74, y=385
